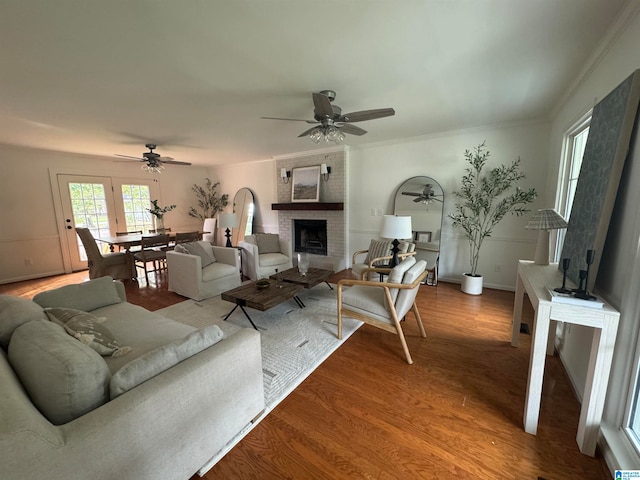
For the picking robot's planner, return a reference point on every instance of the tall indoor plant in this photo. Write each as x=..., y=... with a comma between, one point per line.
x=158, y=213
x=210, y=204
x=485, y=198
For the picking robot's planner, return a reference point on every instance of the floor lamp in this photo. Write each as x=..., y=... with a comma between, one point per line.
x=228, y=221
x=396, y=228
x=544, y=220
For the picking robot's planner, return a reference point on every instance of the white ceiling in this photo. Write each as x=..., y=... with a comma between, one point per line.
x=106, y=77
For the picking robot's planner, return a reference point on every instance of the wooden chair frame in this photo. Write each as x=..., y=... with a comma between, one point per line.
x=393, y=328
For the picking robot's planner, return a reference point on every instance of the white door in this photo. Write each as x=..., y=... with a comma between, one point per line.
x=104, y=205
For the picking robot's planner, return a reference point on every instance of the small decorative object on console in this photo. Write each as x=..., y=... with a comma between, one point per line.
x=584, y=293
x=565, y=266
x=261, y=284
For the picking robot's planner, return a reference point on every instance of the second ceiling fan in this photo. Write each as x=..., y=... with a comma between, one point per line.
x=332, y=124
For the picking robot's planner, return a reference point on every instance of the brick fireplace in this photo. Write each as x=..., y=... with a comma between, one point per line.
x=330, y=210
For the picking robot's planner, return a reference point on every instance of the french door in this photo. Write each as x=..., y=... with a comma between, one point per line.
x=104, y=205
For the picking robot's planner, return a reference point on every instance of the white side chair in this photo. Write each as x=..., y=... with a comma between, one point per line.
x=117, y=265
x=263, y=254
x=203, y=271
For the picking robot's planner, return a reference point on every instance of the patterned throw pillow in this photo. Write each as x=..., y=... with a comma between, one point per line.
x=206, y=257
x=88, y=329
x=378, y=248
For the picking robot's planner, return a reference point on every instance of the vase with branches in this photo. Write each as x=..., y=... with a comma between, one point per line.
x=208, y=200
x=485, y=198
x=158, y=212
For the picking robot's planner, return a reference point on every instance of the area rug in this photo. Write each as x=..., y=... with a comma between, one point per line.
x=294, y=340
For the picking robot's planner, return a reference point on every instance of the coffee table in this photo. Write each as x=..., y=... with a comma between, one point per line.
x=313, y=277
x=249, y=295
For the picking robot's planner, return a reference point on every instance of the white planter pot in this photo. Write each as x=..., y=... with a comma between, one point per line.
x=471, y=285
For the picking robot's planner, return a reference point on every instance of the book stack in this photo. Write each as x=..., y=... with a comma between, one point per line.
x=571, y=299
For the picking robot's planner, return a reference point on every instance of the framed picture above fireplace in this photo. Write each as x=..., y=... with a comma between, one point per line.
x=305, y=184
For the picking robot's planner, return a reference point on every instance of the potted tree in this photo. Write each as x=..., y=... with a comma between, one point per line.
x=210, y=204
x=484, y=201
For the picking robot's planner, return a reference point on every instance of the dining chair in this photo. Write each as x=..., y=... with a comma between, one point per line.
x=168, y=229
x=152, y=250
x=187, y=237
x=117, y=265
x=384, y=304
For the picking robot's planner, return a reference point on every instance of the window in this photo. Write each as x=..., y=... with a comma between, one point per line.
x=136, y=200
x=575, y=143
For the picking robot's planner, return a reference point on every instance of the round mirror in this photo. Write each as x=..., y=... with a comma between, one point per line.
x=243, y=207
x=422, y=198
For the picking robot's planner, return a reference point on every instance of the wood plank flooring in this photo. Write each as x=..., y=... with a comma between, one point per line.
x=366, y=414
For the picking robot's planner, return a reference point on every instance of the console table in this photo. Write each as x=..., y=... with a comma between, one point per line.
x=534, y=279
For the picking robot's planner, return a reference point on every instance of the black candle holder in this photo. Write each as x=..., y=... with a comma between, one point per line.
x=584, y=293
x=565, y=266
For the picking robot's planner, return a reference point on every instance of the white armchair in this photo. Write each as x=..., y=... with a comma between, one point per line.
x=188, y=276
x=263, y=254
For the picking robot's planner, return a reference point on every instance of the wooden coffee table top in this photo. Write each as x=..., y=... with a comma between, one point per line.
x=250, y=295
x=313, y=277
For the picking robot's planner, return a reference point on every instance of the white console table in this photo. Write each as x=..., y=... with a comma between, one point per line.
x=533, y=279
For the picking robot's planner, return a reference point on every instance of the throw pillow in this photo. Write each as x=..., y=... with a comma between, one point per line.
x=268, y=242
x=180, y=248
x=195, y=248
x=88, y=329
x=85, y=296
x=14, y=311
x=64, y=378
x=157, y=361
x=377, y=249
x=396, y=275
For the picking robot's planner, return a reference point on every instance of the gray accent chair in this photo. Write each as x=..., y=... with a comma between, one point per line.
x=384, y=304
x=116, y=265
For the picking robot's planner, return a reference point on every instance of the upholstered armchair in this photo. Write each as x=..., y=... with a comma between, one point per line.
x=378, y=255
x=263, y=254
x=116, y=265
x=384, y=304
x=200, y=270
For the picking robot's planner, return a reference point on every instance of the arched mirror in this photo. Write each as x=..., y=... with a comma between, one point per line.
x=243, y=207
x=422, y=198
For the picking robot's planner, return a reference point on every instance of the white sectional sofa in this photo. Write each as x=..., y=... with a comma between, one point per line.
x=162, y=410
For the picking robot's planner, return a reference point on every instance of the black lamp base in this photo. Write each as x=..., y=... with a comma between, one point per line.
x=394, y=251
x=228, y=235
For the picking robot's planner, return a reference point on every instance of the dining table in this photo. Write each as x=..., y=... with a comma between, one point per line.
x=135, y=239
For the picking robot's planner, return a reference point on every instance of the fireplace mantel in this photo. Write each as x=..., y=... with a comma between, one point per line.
x=307, y=206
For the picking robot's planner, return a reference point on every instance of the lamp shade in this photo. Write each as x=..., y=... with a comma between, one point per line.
x=396, y=227
x=227, y=220
x=546, y=219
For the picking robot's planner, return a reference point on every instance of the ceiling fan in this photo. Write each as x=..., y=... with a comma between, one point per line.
x=152, y=161
x=426, y=196
x=333, y=124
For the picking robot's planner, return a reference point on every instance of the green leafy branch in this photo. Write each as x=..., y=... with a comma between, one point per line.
x=208, y=200
x=159, y=211
x=485, y=200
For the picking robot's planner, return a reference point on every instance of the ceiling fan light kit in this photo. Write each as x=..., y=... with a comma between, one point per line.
x=333, y=125
x=152, y=162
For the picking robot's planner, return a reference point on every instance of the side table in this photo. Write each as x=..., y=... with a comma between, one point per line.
x=534, y=279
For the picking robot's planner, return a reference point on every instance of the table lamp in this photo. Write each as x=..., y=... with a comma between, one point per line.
x=395, y=227
x=228, y=221
x=544, y=220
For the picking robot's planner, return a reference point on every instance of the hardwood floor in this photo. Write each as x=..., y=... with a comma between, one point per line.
x=365, y=413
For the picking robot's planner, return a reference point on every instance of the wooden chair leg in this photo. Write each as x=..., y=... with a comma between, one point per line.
x=403, y=341
x=416, y=314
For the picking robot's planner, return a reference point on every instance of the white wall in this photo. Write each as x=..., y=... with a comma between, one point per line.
x=376, y=171
x=31, y=226
x=614, y=63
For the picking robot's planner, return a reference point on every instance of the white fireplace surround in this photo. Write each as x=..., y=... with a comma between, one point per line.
x=333, y=190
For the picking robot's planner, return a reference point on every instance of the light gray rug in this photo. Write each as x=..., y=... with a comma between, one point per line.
x=294, y=340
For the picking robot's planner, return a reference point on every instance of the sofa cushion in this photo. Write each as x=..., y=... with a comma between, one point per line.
x=157, y=361
x=377, y=249
x=85, y=296
x=218, y=270
x=88, y=329
x=202, y=250
x=268, y=243
x=272, y=259
x=64, y=378
x=14, y=311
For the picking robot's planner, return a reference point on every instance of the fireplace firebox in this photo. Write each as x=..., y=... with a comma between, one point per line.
x=310, y=236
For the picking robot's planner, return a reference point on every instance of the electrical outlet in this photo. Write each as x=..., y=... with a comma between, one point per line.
x=28, y=262
x=379, y=212
x=373, y=212
x=498, y=267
